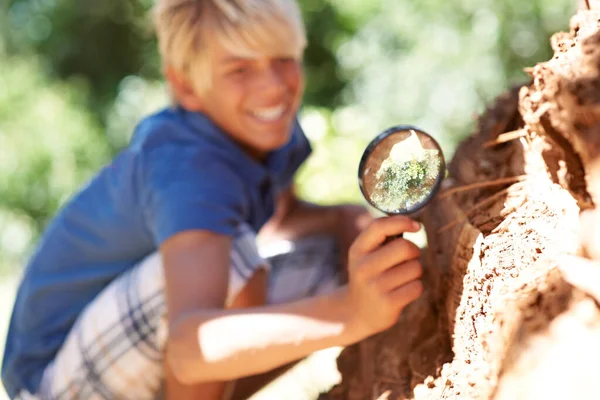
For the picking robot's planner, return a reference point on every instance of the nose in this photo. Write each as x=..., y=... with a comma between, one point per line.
x=272, y=80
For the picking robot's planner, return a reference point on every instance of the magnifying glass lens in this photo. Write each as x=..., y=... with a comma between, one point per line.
x=401, y=170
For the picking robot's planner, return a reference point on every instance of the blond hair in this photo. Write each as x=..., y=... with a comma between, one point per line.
x=247, y=28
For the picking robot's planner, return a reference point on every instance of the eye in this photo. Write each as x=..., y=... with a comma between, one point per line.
x=241, y=70
x=285, y=60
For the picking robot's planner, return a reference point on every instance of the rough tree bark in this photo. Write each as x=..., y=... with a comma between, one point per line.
x=497, y=320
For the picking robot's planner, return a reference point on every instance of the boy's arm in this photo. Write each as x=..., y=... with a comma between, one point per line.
x=191, y=285
x=209, y=344
x=183, y=293
x=296, y=218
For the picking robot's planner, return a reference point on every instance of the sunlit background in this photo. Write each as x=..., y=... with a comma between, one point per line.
x=76, y=76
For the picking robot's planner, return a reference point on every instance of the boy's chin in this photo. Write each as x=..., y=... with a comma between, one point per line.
x=275, y=143
x=274, y=139
x=264, y=143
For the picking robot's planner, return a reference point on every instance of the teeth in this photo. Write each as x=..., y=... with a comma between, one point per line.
x=269, y=114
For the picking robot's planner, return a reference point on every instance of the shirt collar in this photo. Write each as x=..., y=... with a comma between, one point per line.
x=251, y=169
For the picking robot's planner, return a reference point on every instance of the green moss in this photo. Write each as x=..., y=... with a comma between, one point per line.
x=402, y=185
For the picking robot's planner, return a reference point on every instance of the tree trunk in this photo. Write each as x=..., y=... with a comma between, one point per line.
x=497, y=320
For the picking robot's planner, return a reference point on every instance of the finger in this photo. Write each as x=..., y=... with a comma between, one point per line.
x=581, y=273
x=379, y=230
x=389, y=256
x=399, y=275
x=406, y=294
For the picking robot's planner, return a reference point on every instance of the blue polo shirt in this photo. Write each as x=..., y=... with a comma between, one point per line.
x=180, y=172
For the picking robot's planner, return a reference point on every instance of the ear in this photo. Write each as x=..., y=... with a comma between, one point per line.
x=183, y=90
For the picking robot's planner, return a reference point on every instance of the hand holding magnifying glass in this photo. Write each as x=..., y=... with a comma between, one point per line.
x=401, y=170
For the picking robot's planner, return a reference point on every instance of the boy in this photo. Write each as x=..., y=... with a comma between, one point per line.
x=149, y=282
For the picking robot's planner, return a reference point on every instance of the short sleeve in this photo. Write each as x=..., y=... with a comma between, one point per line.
x=186, y=188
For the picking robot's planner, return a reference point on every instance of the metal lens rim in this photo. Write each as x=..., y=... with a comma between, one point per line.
x=373, y=144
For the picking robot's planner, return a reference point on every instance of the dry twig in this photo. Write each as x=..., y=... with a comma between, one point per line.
x=505, y=137
x=475, y=207
x=484, y=184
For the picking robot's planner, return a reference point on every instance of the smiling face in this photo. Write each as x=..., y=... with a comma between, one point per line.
x=238, y=62
x=253, y=99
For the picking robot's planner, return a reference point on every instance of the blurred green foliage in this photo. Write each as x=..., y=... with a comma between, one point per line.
x=75, y=77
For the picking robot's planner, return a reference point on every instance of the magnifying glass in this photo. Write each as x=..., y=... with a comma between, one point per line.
x=401, y=170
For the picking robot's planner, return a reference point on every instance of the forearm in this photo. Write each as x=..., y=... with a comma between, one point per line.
x=226, y=345
x=303, y=219
x=176, y=390
x=253, y=294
